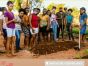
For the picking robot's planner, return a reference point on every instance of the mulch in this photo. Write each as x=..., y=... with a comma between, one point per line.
x=44, y=48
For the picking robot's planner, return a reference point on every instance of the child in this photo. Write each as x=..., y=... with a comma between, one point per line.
x=9, y=18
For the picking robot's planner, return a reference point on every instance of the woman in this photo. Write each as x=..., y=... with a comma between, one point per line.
x=44, y=24
x=50, y=28
x=18, y=28
x=25, y=28
x=54, y=24
x=9, y=18
x=34, y=26
x=69, y=20
x=83, y=20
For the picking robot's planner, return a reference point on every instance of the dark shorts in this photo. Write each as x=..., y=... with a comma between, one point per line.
x=4, y=33
x=43, y=29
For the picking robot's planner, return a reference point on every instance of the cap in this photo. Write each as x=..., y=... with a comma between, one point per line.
x=83, y=8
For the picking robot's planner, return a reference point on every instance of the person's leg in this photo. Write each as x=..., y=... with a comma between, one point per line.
x=26, y=42
x=9, y=32
x=5, y=38
x=68, y=29
x=58, y=31
x=13, y=42
x=82, y=32
x=71, y=34
x=32, y=41
x=62, y=31
x=18, y=33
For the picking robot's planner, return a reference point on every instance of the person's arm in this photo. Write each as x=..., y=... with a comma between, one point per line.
x=30, y=17
x=85, y=20
x=48, y=24
x=1, y=24
x=6, y=18
x=39, y=23
x=72, y=23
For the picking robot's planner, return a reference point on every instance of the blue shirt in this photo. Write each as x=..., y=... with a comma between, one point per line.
x=82, y=18
x=69, y=18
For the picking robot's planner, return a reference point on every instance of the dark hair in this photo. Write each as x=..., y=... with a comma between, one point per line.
x=38, y=9
x=21, y=10
x=60, y=8
x=54, y=7
x=9, y=2
x=70, y=10
x=50, y=12
x=65, y=8
x=34, y=9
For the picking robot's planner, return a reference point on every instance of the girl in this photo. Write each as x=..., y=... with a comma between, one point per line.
x=34, y=25
x=9, y=18
x=83, y=20
x=25, y=28
x=44, y=24
x=54, y=24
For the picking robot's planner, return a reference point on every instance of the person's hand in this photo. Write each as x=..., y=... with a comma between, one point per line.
x=14, y=20
x=33, y=30
x=80, y=27
x=1, y=32
x=47, y=28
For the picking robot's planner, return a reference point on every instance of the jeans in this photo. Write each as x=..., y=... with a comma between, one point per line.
x=18, y=34
x=54, y=29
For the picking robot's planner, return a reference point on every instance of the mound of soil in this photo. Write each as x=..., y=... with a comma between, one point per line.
x=43, y=49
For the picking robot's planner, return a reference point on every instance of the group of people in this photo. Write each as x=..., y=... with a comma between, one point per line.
x=37, y=25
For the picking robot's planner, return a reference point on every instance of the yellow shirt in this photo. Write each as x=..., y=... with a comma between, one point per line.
x=43, y=20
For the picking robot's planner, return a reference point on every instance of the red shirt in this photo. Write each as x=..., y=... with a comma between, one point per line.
x=34, y=21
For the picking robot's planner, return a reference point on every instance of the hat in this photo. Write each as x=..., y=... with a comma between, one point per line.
x=83, y=8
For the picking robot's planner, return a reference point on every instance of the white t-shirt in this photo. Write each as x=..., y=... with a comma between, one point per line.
x=17, y=25
x=4, y=23
x=53, y=17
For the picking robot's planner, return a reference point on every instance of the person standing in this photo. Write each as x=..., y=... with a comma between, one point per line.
x=83, y=21
x=61, y=21
x=69, y=20
x=44, y=24
x=26, y=28
x=54, y=24
x=9, y=18
x=34, y=26
x=18, y=28
x=3, y=26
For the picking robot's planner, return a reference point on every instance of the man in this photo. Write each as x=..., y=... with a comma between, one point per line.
x=61, y=22
x=69, y=21
x=83, y=20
